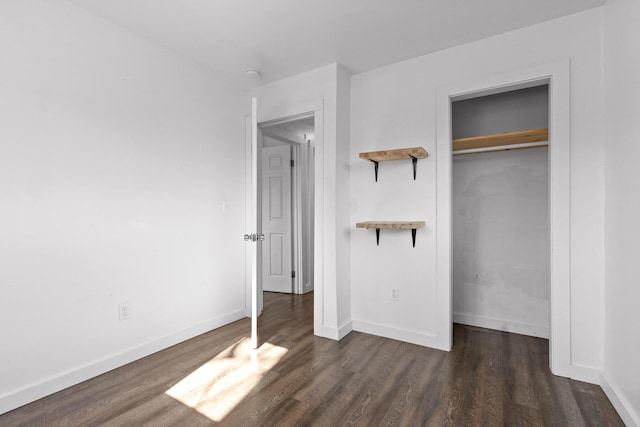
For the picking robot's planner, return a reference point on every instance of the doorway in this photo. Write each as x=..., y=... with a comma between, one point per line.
x=287, y=204
x=283, y=214
x=253, y=256
x=500, y=211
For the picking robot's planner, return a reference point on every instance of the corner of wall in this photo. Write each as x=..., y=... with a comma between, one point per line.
x=621, y=372
x=624, y=408
x=343, y=217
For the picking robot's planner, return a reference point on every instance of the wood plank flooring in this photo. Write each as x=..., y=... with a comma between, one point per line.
x=490, y=378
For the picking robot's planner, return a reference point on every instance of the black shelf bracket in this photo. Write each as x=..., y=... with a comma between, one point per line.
x=413, y=236
x=375, y=168
x=414, y=160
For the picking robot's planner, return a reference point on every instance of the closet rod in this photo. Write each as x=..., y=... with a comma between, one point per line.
x=501, y=148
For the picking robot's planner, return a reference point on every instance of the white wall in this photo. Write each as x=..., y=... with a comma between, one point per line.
x=500, y=242
x=115, y=157
x=394, y=107
x=343, y=226
x=622, y=209
x=503, y=112
x=321, y=89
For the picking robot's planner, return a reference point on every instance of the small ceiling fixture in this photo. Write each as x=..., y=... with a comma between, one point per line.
x=253, y=73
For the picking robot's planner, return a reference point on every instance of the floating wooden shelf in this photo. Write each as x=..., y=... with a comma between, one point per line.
x=410, y=225
x=399, y=154
x=503, y=141
x=413, y=153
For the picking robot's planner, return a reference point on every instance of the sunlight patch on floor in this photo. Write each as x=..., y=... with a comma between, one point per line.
x=219, y=385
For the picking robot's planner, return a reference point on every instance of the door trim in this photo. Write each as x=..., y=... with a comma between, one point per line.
x=300, y=202
x=557, y=74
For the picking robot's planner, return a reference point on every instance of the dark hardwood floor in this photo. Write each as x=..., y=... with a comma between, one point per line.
x=490, y=378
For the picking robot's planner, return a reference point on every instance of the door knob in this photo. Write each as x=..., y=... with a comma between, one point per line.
x=254, y=237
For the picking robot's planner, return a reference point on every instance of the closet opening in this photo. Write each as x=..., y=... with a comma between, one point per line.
x=500, y=210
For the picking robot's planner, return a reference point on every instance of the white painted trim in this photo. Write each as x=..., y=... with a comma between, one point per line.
x=530, y=329
x=413, y=337
x=345, y=329
x=317, y=147
x=309, y=207
x=619, y=402
x=297, y=220
x=444, y=311
x=338, y=333
x=67, y=379
x=560, y=214
x=299, y=147
x=557, y=74
x=587, y=374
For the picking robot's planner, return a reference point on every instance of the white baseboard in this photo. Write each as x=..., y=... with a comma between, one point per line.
x=622, y=405
x=413, y=337
x=337, y=333
x=502, y=325
x=64, y=380
x=345, y=329
x=583, y=373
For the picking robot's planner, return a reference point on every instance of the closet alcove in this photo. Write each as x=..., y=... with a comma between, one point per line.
x=500, y=211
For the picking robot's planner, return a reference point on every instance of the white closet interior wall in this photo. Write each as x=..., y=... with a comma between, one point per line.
x=501, y=218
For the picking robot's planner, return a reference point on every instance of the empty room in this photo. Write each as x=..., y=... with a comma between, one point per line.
x=319, y=213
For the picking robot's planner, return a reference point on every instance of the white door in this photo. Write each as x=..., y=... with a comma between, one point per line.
x=276, y=219
x=254, y=237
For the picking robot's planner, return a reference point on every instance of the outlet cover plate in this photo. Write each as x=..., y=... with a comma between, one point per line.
x=123, y=311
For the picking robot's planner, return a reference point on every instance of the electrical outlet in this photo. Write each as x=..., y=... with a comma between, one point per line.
x=123, y=311
x=395, y=294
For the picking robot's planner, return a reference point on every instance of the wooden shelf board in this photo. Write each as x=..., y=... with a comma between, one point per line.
x=498, y=139
x=399, y=154
x=391, y=224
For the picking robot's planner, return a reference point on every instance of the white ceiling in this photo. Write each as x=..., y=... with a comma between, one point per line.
x=287, y=37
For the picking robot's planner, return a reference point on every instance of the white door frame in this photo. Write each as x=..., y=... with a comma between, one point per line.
x=300, y=202
x=317, y=145
x=557, y=75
